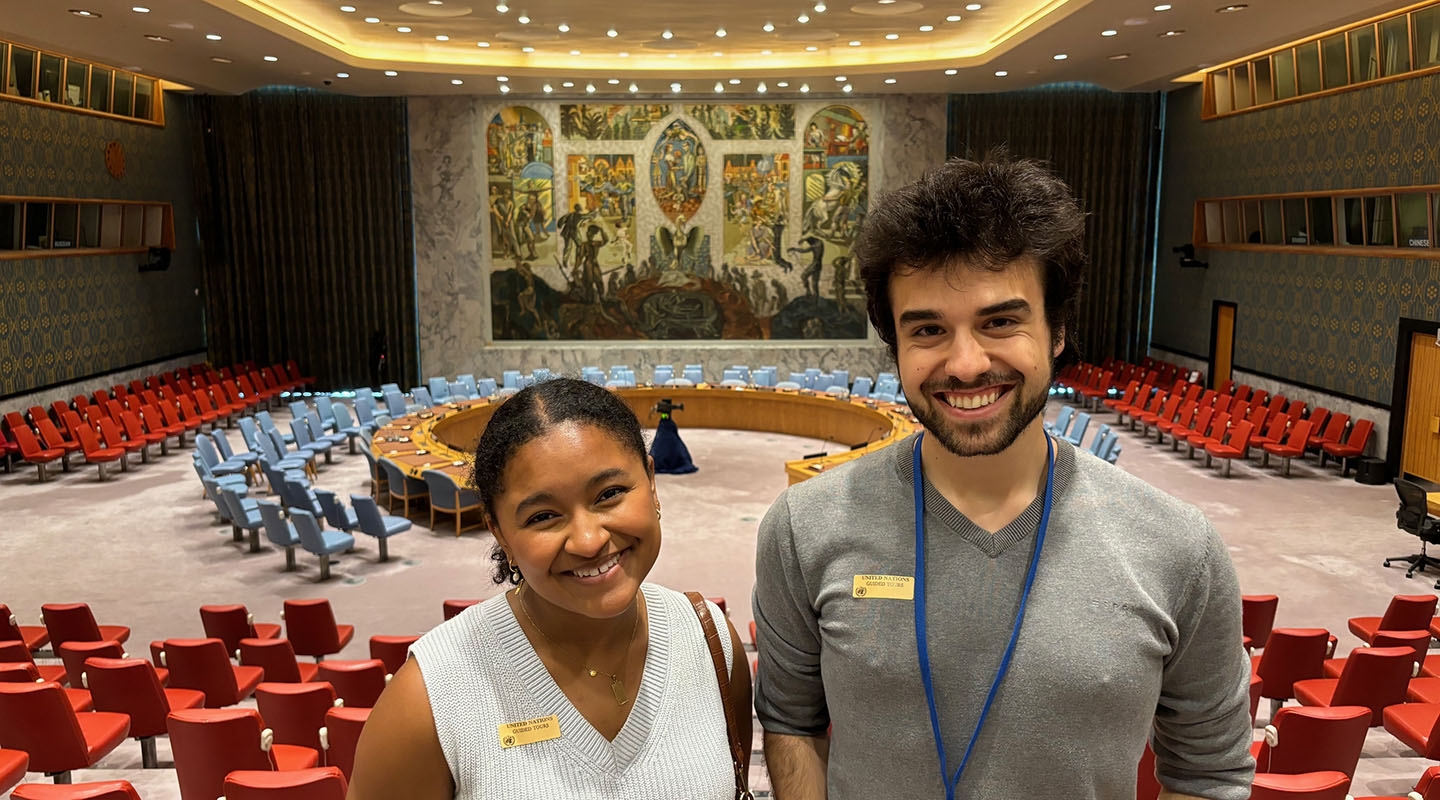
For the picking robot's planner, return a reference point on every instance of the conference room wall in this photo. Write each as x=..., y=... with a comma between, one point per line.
x=1324, y=322
x=76, y=316
x=452, y=242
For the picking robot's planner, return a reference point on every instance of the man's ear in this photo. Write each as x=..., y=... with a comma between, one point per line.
x=1058, y=346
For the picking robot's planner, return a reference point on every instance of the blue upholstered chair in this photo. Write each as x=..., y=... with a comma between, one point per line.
x=306, y=442
x=377, y=476
x=1077, y=428
x=401, y=487
x=389, y=387
x=263, y=419
x=459, y=391
x=663, y=373
x=840, y=377
x=439, y=390
x=317, y=429
x=446, y=496
x=325, y=407
x=486, y=388
x=471, y=387
x=290, y=456
x=395, y=404
x=373, y=523
x=205, y=448
x=797, y=378
x=793, y=386
x=222, y=444
x=335, y=512
x=298, y=493
x=298, y=409
x=346, y=426
x=243, y=516
x=423, y=400
x=510, y=379
x=265, y=444
x=320, y=542
x=744, y=371
x=861, y=387
x=1061, y=425
x=1098, y=440
x=694, y=373
x=279, y=531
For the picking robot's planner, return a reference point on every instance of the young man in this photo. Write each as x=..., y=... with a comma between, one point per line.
x=1091, y=610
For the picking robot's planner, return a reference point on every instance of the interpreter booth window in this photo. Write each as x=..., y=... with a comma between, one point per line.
x=1352, y=221
x=20, y=80
x=1307, y=57
x=1394, y=46
x=1332, y=60
x=1271, y=225
x=1251, y=221
x=1426, y=26
x=1232, y=222
x=67, y=218
x=1297, y=230
x=11, y=215
x=90, y=225
x=99, y=89
x=1242, y=86
x=1264, y=85
x=77, y=78
x=1322, y=221
x=50, y=77
x=1380, y=221
x=37, y=226
x=1364, y=60
x=144, y=98
x=1220, y=85
x=124, y=93
x=1284, y=62
x=1412, y=215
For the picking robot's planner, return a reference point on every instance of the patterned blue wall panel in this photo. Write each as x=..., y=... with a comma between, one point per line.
x=1327, y=321
x=64, y=318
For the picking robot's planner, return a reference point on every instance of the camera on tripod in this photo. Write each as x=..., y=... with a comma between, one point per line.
x=665, y=408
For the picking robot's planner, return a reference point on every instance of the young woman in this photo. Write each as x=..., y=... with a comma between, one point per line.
x=581, y=681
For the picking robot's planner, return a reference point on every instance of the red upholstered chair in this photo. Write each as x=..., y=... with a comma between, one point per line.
x=1292, y=447
x=1290, y=655
x=1353, y=447
x=1313, y=740
x=1257, y=617
x=33, y=453
x=1235, y=444
x=96, y=453
x=1417, y=726
x=13, y=764
x=296, y=711
x=51, y=437
x=73, y=655
x=340, y=736
x=293, y=371
x=277, y=658
x=1255, y=686
x=37, y=718
x=136, y=431
x=130, y=686
x=310, y=627
x=96, y=790
x=1334, y=427
x=453, y=607
x=27, y=672
x=1307, y=786
x=1406, y=612
x=1374, y=677
x=34, y=636
x=210, y=743
x=1196, y=439
x=15, y=651
x=1418, y=641
x=391, y=650
x=155, y=422
x=358, y=683
x=73, y=622
x=112, y=436
x=320, y=783
x=231, y=623
x=1427, y=788
x=203, y=665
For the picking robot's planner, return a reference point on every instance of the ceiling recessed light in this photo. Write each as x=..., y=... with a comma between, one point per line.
x=271, y=58
x=973, y=7
x=482, y=44
x=1231, y=9
x=623, y=54
x=390, y=73
x=440, y=37
x=1000, y=73
x=502, y=78
x=666, y=34
x=348, y=9
x=719, y=87
x=886, y=2
x=952, y=71
x=140, y=9
x=855, y=43
x=155, y=37
x=563, y=28
x=1108, y=33
x=953, y=18
x=612, y=33
x=926, y=28
x=1176, y=32
x=1163, y=7
x=221, y=60
x=717, y=53
x=889, y=80
x=734, y=81
x=502, y=8
x=373, y=20
x=527, y=49
x=671, y=55
x=403, y=29
x=803, y=18
x=720, y=33
x=846, y=88
x=841, y=79
x=504, y=89
x=456, y=82
x=613, y=81
x=1119, y=56
x=761, y=88
x=783, y=84
x=765, y=52
x=812, y=48
x=342, y=74
x=574, y=52
x=768, y=27
x=437, y=2
x=568, y=84
x=633, y=88
x=1060, y=56
x=675, y=87
x=804, y=88
x=547, y=88
x=214, y=37
x=523, y=19
x=892, y=36
x=820, y=7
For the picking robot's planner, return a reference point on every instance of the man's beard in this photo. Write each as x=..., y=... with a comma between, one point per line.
x=967, y=439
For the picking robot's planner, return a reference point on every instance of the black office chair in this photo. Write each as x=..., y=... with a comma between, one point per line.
x=1413, y=518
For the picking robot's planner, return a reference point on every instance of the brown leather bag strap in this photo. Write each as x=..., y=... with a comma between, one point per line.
x=722, y=676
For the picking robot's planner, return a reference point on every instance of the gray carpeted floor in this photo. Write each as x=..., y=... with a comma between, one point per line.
x=146, y=551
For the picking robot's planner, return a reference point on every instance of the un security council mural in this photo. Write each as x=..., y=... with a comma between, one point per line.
x=653, y=221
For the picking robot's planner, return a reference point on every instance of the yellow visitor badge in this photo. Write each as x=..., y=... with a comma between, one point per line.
x=884, y=587
x=519, y=734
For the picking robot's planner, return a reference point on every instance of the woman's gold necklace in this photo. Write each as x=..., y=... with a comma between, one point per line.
x=617, y=686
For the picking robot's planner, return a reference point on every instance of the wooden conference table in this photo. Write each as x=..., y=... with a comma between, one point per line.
x=443, y=438
x=1432, y=502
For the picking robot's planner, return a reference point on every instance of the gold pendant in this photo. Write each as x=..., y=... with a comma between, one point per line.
x=617, y=688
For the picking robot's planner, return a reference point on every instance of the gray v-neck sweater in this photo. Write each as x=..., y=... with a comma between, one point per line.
x=481, y=672
x=1134, y=618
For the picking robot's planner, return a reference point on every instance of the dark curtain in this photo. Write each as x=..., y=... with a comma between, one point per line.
x=305, y=222
x=1107, y=147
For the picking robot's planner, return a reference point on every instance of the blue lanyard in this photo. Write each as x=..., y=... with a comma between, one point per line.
x=920, y=636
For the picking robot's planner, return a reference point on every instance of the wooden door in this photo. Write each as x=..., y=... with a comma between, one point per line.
x=1222, y=342
x=1420, y=455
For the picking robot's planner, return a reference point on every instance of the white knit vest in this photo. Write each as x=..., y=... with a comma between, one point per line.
x=481, y=672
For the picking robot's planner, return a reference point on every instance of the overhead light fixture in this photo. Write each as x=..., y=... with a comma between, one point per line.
x=952, y=71
x=846, y=88
x=523, y=19
x=1231, y=9
x=482, y=44
x=456, y=82
x=854, y=42
x=973, y=7
x=926, y=28
x=613, y=81
x=563, y=28
x=221, y=60
x=502, y=78
x=527, y=49
x=612, y=33
x=892, y=36
x=720, y=33
x=1000, y=73
x=820, y=7
x=734, y=81
x=666, y=34
x=717, y=53
x=803, y=18
x=342, y=74
x=155, y=37
x=568, y=84
x=812, y=48
x=547, y=88
x=719, y=87
x=214, y=37
x=574, y=52
x=348, y=9
x=440, y=37
x=140, y=9
x=504, y=89
x=502, y=8
x=1119, y=56
x=1163, y=7
x=889, y=80
x=403, y=29
x=1168, y=34
x=373, y=20
x=390, y=73
x=633, y=88
x=1109, y=33
x=768, y=27
x=271, y=59
x=953, y=18
x=765, y=52
x=1060, y=56
x=782, y=84
x=672, y=55
x=841, y=79
x=675, y=87
x=623, y=54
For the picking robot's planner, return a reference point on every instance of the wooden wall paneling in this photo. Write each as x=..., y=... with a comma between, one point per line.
x=1421, y=453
